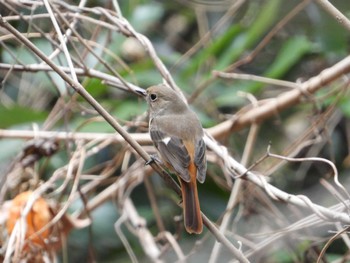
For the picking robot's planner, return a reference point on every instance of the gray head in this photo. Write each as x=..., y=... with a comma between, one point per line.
x=163, y=100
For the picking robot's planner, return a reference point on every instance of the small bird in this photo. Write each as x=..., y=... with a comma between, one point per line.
x=177, y=134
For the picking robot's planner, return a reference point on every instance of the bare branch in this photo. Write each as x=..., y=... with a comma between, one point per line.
x=333, y=11
x=284, y=100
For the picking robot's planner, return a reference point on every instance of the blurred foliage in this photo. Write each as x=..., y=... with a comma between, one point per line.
x=309, y=43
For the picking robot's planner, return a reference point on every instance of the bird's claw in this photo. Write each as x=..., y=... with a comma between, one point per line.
x=153, y=158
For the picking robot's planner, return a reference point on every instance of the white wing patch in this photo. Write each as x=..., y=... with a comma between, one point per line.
x=166, y=140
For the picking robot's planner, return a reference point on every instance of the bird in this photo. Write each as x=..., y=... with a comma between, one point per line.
x=177, y=134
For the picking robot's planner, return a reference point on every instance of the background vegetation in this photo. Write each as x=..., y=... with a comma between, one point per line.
x=254, y=73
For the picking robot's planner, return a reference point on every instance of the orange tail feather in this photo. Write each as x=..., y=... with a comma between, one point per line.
x=191, y=207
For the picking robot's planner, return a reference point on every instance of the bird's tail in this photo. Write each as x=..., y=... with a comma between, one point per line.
x=191, y=207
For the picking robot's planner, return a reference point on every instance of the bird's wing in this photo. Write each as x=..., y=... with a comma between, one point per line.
x=173, y=152
x=200, y=160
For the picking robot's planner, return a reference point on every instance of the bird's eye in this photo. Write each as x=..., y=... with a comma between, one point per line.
x=153, y=97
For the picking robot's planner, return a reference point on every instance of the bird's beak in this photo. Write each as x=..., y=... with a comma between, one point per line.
x=141, y=92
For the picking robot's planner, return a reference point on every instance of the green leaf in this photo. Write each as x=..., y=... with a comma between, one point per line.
x=18, y=115
x=128, y=109
x=94, y=87
x=291, y=52
x=345, y=106
x=330, y=36
x=215, y=49
x=254, y=33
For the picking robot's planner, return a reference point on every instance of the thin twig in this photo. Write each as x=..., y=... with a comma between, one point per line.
x=285, y=100
x=234, y=192
x=273, y=191
x=333, y=11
